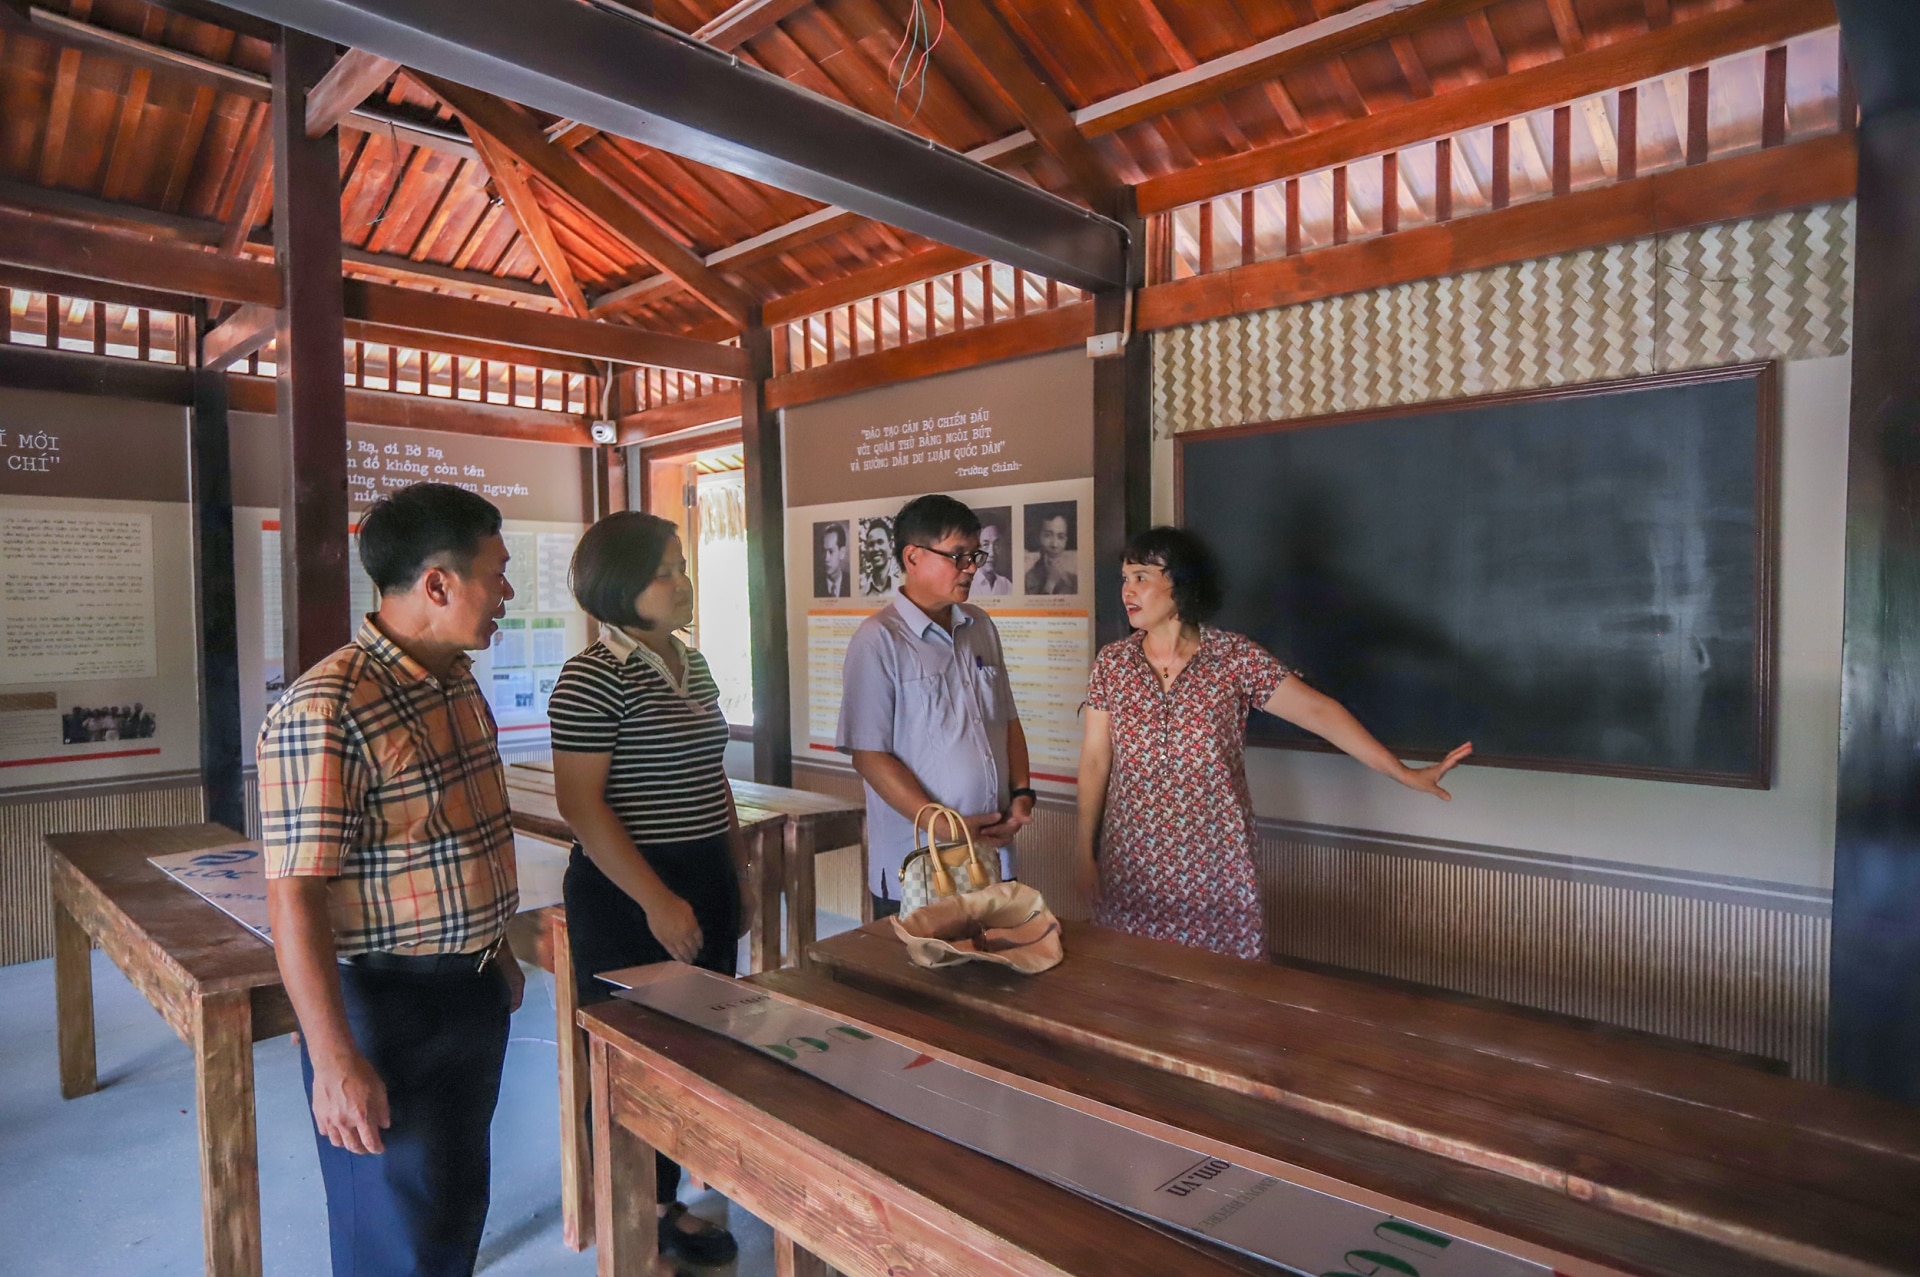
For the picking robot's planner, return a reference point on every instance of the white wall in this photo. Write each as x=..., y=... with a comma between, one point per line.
x=1784, y=834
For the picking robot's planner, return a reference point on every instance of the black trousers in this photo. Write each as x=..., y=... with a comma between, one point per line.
x=608, y=928
x=438, y=1043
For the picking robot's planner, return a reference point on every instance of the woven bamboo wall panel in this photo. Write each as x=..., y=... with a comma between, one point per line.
x=1741, y=977
x=26, y=904
x=1770, y=287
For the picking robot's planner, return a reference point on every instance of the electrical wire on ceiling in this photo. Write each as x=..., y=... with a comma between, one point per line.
x=907, y=70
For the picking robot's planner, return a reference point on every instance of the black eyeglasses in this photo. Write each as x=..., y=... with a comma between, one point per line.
x=961, y=559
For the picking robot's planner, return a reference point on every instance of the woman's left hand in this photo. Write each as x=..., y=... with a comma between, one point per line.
x=1427, y=779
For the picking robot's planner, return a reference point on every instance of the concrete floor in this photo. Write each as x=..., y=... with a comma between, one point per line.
x=109, y=1184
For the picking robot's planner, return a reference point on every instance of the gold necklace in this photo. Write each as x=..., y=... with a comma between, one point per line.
x=1166, y=671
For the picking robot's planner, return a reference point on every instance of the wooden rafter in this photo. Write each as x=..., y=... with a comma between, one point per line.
x=1758, y=24
x=1036, y=104
x=1566, y=26
x=1411, y=67
x=253, y=192
x=352, y=81
x=1493, y=60
x=560, y=169
x=532, y=221
x=240, y=334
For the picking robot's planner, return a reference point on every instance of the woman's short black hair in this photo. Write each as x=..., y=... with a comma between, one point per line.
x=1187, y=562
x=931, y=518
x=616, y=561
x=400, y=535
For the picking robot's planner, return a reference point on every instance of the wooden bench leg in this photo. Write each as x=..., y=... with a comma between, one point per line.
x=769, y=882
x=576, y=1167
x=229, y=1151
x=790, y=1260
x=625, y=1227
x=73, y=1004
x=800, y=877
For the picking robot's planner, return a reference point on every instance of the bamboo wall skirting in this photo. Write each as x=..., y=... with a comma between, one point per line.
x=1737, y=976
x=26, y=904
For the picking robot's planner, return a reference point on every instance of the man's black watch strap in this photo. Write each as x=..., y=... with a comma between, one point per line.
x=1022, y=792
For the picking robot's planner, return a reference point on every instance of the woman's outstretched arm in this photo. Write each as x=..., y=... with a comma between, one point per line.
x=1328, y=719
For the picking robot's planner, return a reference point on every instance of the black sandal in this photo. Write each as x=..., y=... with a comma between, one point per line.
x=708, y=1246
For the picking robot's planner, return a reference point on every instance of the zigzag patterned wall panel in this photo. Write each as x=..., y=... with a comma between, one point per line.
x=1771, y=287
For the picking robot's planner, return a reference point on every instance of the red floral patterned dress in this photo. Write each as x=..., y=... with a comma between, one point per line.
x=1176, y=846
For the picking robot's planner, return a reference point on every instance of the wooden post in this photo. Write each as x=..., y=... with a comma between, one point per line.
x=766, y=563
x=1773, y=98
x=791, y=1260
x=1205, y=236
x=1293, y=217
x=1502, y=164
x=222, y=752
x=56, y=305
x=1562, y=150
x=143, y=338
x=1122, y=432
x=311, y=342
x=1698, y=143
x=1389, y=193
x=1629, y=135
x=576, y=1159
x=1874, y=1038
x=1246, y=228
x=1340, y=205
x=1443, y=180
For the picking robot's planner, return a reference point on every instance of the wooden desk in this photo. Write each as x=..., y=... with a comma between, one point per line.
x=785, y=829
x=841, y=1183
x=209, y=977
x=1609, y=1150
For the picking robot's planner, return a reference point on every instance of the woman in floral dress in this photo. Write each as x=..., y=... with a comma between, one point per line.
x=1163, y=762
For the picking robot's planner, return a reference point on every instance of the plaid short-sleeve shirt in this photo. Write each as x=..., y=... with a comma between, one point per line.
x=387, y=780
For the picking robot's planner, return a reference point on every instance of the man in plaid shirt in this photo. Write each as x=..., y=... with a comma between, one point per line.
x=390, y=883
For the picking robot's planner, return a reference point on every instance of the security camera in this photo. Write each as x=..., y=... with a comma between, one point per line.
x=604, y=432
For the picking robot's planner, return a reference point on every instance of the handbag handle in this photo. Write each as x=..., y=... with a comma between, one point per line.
x=942, y=880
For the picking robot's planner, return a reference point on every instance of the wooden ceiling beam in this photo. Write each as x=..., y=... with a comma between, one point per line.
x=1566, y=27
x=493, y=352
x=46, y=243
x=253, y=194
x=1757, y=24
x=560, y=334
x=240, y=334
x=746, y=20
x=70, y=33
x=1411, y=67
x=1493, y=59
x=426, y=412
x=874, y=280
x=353, y=80
x=27, y=279
x=1033, y=101
x=520, y=137
x=532, y=221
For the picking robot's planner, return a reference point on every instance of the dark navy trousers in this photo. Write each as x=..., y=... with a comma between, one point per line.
x=438, y=1042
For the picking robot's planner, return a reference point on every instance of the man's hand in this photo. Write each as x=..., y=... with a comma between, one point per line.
x=350, y=1103
x=516, y=978
x=1019, y=815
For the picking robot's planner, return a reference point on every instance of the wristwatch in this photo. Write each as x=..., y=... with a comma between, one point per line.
x=1022, y=792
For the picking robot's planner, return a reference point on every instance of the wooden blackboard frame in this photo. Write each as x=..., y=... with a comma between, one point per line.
x=1766, y=556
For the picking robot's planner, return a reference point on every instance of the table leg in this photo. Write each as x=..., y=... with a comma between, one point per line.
x=229, y=1151
x=790, y=1260
x=73, y=1004
x=800, y=891
x=576, y=1170
x=769, y=881
x=625, y=1226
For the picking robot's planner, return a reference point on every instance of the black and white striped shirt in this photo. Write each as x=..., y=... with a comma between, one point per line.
x=667, y=781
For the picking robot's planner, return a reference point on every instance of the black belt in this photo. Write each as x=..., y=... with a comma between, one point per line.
x=426, y=963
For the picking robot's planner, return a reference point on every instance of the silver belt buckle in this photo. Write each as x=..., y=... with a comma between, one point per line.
x=487, y=955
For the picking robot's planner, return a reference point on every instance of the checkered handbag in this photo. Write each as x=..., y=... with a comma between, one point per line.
x=936, y=870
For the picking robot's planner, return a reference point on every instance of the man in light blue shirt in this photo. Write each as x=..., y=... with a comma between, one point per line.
x=926, y=710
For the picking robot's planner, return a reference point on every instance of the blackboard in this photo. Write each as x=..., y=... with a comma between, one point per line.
x=1575, y=579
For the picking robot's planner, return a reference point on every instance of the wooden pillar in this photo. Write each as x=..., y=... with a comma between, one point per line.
x=221, y=749
x=1122, y=433
x=766, y=563
x=1874, y=1040
x=311, y=363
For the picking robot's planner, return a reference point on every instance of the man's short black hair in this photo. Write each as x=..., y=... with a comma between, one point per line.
x=1188, y=563
x=616, y=561
x=402, y=535
x=838, y=531
x=924, y=520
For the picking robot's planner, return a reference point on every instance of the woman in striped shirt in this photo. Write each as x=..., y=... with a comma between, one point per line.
x=658, y=870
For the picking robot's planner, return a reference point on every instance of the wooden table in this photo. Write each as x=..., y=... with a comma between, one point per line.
x=841, y=1183
x=1598, y=1151
x=785, y=829
x=209, y=977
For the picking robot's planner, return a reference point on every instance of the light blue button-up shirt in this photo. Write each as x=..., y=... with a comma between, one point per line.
x=937, y=701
